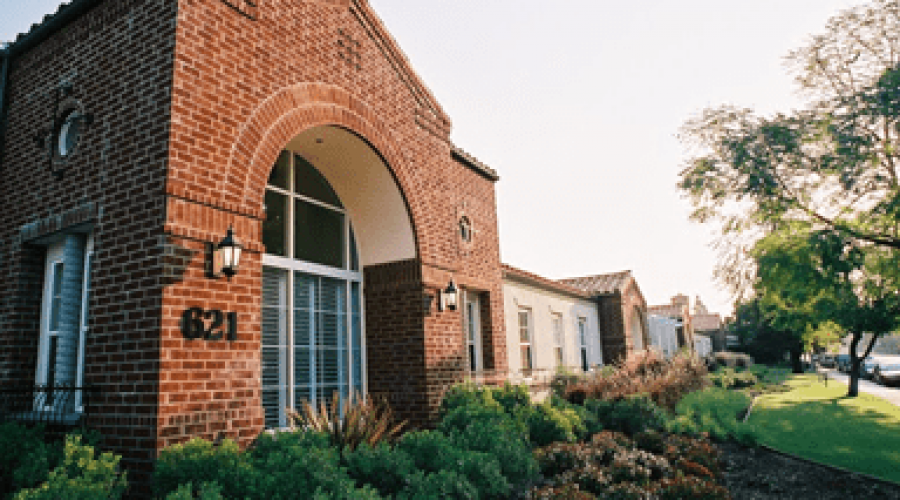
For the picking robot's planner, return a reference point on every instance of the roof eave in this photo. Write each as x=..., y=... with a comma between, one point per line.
x=52, y=24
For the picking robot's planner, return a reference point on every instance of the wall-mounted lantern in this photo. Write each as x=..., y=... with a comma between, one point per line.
x=225, y=258
x=449, y=297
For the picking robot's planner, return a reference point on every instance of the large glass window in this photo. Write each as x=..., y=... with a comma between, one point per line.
x=582, y=339
x=312, y=321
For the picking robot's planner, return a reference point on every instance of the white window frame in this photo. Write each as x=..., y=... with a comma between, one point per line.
x=345, y=274
x=581, y=326
x=528, y=330
x=54, y=258
x=472, y=328
x=559, y=335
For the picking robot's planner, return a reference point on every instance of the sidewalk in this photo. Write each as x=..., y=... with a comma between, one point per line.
x=889, y=394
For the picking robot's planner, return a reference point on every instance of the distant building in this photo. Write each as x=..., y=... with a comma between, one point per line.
x=623, y=312
x=679, y=310
x=664, y=334
x=709, y=325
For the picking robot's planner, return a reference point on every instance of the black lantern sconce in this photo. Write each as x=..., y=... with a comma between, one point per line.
x=449, y=297
x=225, y=258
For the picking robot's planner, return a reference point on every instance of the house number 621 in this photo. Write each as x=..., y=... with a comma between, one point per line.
x=194, y=324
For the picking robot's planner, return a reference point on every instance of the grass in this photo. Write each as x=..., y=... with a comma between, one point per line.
x=820, y=423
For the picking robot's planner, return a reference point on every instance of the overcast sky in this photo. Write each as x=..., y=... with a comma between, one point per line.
x=577, y=104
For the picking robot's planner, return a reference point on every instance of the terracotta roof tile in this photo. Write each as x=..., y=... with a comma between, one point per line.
x=516, y=273
x=703, y=322
x=600, y=283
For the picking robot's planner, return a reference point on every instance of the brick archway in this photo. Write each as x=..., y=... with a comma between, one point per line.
x=286, y=114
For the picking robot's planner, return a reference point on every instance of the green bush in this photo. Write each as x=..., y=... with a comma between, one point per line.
x=729, y=378
x=433, y=452
x=444, y=484
x=715, y=411
x=512, y=397
x=207, y=491
x=81, y=476
x=25, y=458
x=497, y=434
x=548, y=424
x=383, y=467
x=199, y=461
x=467, y=394
x=631, y=415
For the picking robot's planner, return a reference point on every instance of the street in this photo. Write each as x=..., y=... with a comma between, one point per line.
x=890, y=394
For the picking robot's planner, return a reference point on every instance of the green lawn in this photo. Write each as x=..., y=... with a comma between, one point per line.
x=820, y=423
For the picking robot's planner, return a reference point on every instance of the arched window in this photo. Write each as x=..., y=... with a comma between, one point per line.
x=312, y=321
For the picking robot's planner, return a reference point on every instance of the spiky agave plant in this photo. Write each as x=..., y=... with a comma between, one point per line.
x=358, y=420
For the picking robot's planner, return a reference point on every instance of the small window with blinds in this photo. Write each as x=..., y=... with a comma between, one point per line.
x=525, y=341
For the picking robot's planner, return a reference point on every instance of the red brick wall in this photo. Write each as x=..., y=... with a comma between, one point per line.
x=119, y=56
x=193, y=101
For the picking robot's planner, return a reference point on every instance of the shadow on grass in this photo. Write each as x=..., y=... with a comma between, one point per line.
x=861, y=434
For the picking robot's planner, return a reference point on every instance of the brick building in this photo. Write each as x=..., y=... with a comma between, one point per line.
x=136, y=132
x=622, y=312
x=679, y=310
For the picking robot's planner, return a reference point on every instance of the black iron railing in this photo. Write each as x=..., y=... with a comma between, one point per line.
x=57, y=405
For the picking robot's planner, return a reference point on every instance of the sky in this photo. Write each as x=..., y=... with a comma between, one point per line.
x=577, y=104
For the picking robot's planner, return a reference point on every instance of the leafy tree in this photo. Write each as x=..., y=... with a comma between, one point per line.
x=760, y=337
x=809, y=200
x=832, y=165
x=825, y=280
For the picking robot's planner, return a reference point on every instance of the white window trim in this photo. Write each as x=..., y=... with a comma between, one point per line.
x=530, y=333
x=558, y=338
x=346, y=274
x=55, y=256
x=472, y=298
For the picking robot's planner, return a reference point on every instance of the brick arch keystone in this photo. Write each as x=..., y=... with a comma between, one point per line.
x=292, y=110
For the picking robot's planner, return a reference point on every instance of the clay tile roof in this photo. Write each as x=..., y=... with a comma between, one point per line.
x=703, y=322
x=668, y=310
x=600, y=283
x=546, y=283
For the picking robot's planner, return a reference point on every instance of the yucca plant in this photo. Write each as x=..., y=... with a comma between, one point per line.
x=358, y=420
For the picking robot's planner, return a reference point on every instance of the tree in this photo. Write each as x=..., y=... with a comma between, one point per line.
x=832, y=165
x=821, y=179
x=820, y=278
x=760, y=337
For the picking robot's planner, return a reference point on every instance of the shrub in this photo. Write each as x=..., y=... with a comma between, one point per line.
x=631, y=415
x=714, y=411
x=728, y=378
x=432, y=452
x=497, y=434
x=568, y=491
x=678, y=488
x=684, y=451
x=25, y=458
x=512, y=397
x=199, y=461
x=380, y=466
x=664, y=381
x=467, y=394
x=207, y=491
x=548, y=424
x=357, y=420
x=444, y=484
x=82, y=475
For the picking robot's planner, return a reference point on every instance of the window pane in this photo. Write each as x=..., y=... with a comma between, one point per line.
x=318, y=234
x=275, y=224
x=526, y=357
x=309, y=182
x=56, y=297
x=279, y=175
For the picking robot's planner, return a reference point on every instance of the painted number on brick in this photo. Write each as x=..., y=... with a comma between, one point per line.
x=213, y=324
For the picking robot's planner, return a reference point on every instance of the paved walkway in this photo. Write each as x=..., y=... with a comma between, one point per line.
x=889, y=394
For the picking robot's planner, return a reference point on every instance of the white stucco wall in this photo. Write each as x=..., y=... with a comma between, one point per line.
x=543, y=304
x=664, y=334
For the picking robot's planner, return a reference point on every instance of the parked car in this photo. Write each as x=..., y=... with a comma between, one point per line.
x=887, y=373
x=827, y=360
x=867, y=368
x=843, y=363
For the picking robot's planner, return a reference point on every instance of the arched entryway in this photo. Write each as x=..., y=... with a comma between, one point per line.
x=332, y=208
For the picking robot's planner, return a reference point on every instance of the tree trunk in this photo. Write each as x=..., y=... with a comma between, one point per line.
x=796, y=362
x=853, y=386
